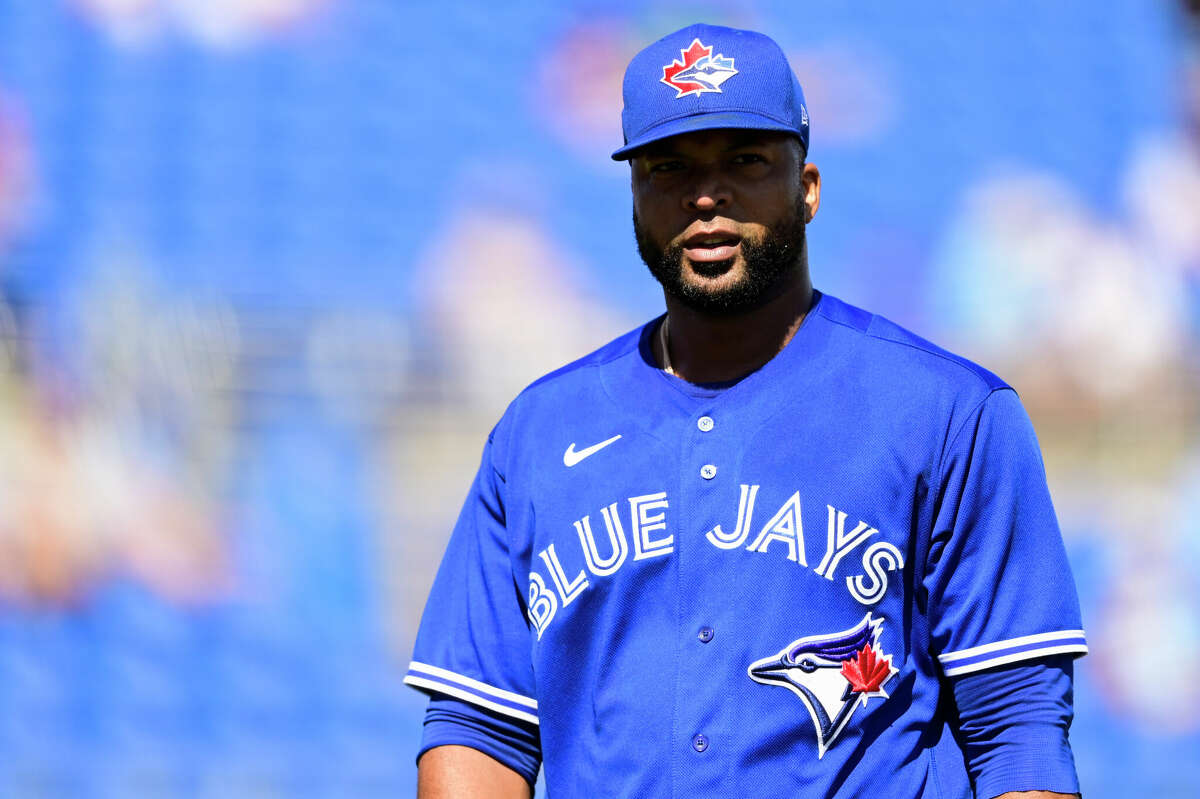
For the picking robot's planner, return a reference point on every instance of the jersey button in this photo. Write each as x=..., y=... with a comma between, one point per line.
x=705, y=635
x=700, y=742
x=708, y=471
x=705, y=423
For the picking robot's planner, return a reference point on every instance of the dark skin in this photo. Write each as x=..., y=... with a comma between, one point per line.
x=459, y=772
x=737, y=186
x=708, y=192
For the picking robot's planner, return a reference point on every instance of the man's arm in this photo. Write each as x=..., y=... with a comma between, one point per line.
x=459, y=772
x=472, y=657
x=1012, y=724
x=1004, y=613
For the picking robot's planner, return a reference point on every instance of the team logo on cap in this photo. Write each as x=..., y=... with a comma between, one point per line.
x=700, y=71
x=833, y=674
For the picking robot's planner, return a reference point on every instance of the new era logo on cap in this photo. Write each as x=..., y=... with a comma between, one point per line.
x=707, y=90
x=700, y=71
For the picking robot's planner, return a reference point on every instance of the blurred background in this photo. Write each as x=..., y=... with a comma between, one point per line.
x=270, y=270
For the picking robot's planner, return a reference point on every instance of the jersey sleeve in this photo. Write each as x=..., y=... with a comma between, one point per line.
x=999, y=586
x=473, y=642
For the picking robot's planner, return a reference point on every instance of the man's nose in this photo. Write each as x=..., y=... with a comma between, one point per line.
x=708, y=194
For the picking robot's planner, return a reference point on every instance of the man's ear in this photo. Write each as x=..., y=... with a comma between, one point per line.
x=810, y=190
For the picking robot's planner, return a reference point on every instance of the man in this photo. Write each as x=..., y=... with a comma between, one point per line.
x=766, y=545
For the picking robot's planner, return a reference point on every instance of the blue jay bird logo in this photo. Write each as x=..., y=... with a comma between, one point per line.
x=699, y=72
x=832, y=674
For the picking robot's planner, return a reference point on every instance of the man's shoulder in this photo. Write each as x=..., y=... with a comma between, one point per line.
x=623, y=346
x=909, y=356
x=578, y=384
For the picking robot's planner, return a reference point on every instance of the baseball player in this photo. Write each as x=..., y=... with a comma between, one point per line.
x=768, y=544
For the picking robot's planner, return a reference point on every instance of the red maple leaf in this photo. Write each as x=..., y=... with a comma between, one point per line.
x=866, y=672
x=690, y=56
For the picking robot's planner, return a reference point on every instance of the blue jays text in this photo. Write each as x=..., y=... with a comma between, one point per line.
x=648, y=528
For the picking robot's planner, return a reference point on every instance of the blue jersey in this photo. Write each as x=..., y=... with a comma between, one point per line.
x=755, y=590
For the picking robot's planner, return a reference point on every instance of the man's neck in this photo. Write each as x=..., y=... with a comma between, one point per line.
x=717, y=349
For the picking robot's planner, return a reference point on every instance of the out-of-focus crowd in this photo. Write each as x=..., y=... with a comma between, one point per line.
x=270, y=270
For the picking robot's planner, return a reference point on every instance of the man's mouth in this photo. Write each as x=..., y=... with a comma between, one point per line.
x=712, y=246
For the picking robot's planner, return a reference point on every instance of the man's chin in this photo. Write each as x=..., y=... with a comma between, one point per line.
x=708, y=270
x=720, y=294
x=715, y=278
x=731, y=290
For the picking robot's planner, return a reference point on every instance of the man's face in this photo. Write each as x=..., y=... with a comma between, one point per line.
x=719, y=215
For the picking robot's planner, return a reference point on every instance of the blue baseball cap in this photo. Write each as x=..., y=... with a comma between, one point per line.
x=707, y=76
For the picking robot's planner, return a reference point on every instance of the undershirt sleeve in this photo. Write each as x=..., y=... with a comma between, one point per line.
x=1012, y=726
x=513, y=742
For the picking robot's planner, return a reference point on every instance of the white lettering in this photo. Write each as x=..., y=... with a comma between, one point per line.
x=652, y=537
x=879, y=559
x=719, y=538
x=602, y=567
x=645, y=523
x=542, y=604
x=784, y=526
x=839, y=542
x=568, y=591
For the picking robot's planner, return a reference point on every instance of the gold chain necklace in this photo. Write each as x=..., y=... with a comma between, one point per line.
x=662, y=338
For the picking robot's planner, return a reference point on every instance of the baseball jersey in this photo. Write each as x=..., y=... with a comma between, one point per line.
x=753, y=590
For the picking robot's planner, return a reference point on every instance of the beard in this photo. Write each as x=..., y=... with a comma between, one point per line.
x=770, y=263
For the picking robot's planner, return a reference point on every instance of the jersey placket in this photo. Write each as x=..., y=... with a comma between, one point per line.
x=702, y=755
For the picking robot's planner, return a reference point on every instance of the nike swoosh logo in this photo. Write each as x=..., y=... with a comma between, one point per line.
x=571, y=457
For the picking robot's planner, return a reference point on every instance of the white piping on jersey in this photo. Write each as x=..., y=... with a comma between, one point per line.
x=467, y=696
x=1008, y=644
x=467, y=682
x=954, y=671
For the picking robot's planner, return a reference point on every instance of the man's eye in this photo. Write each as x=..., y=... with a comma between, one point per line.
x=666, y=166
x=748, y=158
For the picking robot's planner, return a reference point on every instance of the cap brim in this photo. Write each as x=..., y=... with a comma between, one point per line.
x=740, y=120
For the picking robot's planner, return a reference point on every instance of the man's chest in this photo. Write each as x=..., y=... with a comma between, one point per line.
x=716, y=504
x=711, y=576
